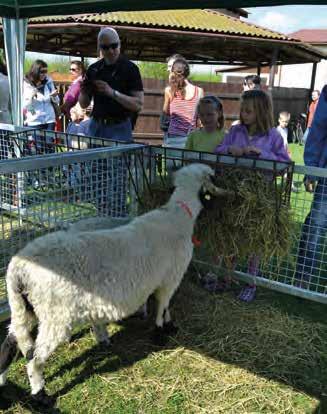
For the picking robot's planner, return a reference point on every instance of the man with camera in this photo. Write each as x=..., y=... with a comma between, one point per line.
x=115, y=84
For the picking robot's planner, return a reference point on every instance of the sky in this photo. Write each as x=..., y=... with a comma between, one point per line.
x=288, y=19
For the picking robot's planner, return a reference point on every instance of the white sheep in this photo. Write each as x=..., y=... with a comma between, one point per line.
x=68, y=277
x=102, y=223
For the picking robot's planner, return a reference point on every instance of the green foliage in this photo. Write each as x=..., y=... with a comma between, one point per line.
x=205, y=77
x=153, y=70
x=57, y=64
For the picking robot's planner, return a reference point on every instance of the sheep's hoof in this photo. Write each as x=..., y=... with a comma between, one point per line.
x=170, y=329
x=43, y=399
x=159, y=336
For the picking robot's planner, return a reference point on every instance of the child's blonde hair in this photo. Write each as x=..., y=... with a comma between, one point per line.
x=213, y=100
x=78, y=111
x=284, y=114
x=261, y=103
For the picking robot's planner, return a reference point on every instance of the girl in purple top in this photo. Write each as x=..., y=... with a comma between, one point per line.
x=254, y=137
x=77, y=71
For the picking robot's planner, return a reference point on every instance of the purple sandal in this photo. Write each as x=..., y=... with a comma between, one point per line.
x=248, y=293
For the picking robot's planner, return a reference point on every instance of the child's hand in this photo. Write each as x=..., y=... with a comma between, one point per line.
x=252, y=150
x=235, y=151
x=309, y=185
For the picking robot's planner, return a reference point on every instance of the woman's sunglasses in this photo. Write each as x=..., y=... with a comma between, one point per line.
x=43, y=71
x=73, y=69
x=110, y=46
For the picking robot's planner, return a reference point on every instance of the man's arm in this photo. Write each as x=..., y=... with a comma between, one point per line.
x=133, y=103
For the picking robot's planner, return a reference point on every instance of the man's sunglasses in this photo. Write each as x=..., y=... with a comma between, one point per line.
x=110, y=46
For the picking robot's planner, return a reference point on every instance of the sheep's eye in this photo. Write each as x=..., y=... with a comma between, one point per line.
x=207, y=197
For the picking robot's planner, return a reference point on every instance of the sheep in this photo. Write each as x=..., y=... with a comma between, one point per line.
x=101, y=223
x=67, y=277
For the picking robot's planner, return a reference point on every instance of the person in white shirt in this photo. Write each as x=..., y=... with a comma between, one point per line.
x=283, y=121
x=5, y=113
x=40, y=95
x=282, y=128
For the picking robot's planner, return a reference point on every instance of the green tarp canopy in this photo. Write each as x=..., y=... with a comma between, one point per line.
x=31, y=8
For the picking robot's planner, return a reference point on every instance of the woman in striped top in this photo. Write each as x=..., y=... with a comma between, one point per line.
x=181, y=99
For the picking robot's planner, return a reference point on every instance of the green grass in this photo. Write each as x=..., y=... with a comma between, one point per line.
x=228, y=357
x=297, y=153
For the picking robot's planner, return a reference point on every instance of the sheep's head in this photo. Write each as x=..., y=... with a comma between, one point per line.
x=199, y=178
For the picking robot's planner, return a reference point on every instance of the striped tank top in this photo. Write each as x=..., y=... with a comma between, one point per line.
x=183, y=114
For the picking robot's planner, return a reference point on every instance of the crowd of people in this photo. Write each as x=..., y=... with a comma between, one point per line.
x=104, y=100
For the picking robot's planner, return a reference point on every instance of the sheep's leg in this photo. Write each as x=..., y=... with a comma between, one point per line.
x=21, y=328
x=48, y=339
x=167, y=317
x=164, y=325
x=8, y=353
x=142, y=312
x=101, y=333
x=18, y=338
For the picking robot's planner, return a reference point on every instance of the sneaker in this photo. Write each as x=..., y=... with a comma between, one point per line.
x=248, y=293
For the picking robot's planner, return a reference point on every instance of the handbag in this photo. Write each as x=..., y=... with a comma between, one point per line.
x=56, y=107
x=164, y=122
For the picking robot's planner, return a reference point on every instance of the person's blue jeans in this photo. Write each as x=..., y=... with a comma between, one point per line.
x=118, y=132
x=305, y=136
x=111, y=175
x=313, y=235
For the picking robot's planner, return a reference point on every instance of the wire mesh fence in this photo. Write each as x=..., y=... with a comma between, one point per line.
x=43, y=192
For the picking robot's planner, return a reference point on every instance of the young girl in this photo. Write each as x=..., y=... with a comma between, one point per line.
x=254, y=137
x=210, y=112
x=181, y=99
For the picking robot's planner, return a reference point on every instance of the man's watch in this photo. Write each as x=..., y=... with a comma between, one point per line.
x=115, y=94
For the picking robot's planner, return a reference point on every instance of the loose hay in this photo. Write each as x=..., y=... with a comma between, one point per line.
x=254, y=219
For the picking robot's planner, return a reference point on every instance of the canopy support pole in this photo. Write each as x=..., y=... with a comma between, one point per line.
x=313, y=76
x=14, y=32
x=273, y=68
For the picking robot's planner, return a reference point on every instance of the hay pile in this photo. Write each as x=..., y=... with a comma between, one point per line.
x=251, y=220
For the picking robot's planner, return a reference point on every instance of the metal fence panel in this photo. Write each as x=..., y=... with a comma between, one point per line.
x=41, y=194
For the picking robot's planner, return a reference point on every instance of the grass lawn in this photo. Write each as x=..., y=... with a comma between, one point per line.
x=297, y=153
